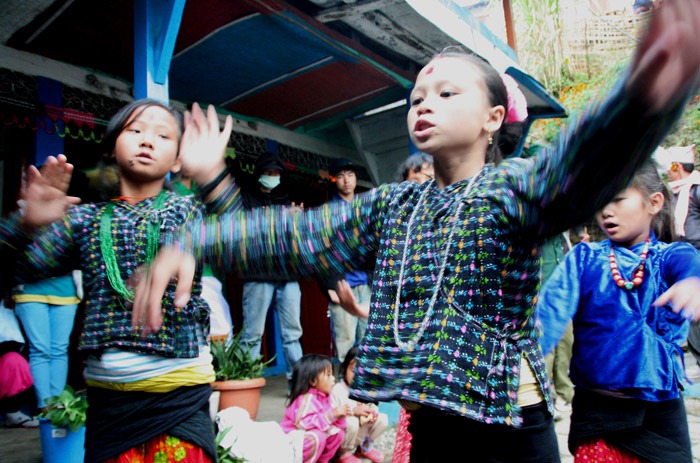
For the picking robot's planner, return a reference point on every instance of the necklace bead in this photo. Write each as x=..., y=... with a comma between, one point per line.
x=638, y=277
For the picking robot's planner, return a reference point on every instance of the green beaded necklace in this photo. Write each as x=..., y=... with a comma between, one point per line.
x=107, y=245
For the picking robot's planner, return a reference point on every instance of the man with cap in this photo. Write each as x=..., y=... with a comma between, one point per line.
x=684, y=181
x=348, y=329
x=270, y=188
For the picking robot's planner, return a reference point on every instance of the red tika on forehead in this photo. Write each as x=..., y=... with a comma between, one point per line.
x=429, y=71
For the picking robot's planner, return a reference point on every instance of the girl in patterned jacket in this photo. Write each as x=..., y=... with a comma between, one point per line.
x=148, y=392
x=451, y=329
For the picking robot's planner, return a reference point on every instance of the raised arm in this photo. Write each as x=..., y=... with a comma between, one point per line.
x=270, y=242
x=43, y=202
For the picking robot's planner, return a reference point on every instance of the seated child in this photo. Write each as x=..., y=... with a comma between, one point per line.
x=15, y=386
x=364, y=424
x=310, y=409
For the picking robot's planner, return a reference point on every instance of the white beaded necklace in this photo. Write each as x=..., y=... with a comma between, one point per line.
x=413, y=340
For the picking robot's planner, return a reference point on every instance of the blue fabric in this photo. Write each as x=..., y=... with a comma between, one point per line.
x=285, y=297
x=621, y=342
x=59, y=286
x=48, y=328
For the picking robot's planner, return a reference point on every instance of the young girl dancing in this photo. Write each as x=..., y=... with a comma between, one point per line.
x=364, y=424
x=148, y=393
x=625, y=295
x=310, y=409
x=451, y=329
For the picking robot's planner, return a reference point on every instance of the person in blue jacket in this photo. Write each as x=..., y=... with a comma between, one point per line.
x=625, y=295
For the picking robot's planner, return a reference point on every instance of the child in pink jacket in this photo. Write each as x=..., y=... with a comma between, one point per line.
x=310, y=409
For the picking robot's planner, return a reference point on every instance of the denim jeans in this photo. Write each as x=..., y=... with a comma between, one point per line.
x=348, y=329
x=48, y=328
x=285, y=297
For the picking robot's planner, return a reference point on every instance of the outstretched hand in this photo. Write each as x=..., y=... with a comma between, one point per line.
x=684, y=297
x=343, y=296
x=169, y=264
x=667, y=61
x=44, y=195
x=203, y=144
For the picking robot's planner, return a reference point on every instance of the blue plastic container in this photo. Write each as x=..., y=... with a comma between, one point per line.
x=61, y=445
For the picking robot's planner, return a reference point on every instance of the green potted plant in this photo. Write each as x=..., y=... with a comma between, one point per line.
x=62, y=427
x=238, y=374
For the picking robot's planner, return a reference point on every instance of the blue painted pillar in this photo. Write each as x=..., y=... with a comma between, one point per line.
x=47, y=144
x=156, y=24
x=411, y=147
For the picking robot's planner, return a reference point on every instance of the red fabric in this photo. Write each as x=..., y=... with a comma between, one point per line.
x=163, y=449
x=600, y=451
x=15, y=376
x=402, y=446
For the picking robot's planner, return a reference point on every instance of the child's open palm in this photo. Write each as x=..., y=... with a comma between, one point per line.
x=44, y=195
x=203, y=144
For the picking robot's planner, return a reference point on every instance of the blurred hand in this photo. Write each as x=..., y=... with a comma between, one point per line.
x=152, y=282
x=344, y=297
x=666, y=60
x=684, y=297
x=203, y=144
x=44, y=196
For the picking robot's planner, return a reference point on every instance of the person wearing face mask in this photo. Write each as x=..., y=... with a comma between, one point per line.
x=270, y=189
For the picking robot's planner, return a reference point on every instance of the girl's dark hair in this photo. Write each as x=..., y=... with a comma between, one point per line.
x=305, y=371
x=648, y=181
x=349, y=357
x=128, y=114
x=507, y=137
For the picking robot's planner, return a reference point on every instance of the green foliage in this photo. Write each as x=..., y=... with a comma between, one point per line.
x=224, y=453
x=232, y=359
x=539, y=46
x=538, y=28
x=67, y=409
x=579, y=93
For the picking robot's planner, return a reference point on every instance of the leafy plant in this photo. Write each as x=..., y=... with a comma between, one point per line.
x=66, y=409
x=232, y=359
x=224, y=453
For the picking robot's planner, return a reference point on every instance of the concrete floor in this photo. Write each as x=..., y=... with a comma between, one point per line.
x=24, y=445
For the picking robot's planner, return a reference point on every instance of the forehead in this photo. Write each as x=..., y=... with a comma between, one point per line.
x=452, y=69
x=154, y=115
x=345, y=172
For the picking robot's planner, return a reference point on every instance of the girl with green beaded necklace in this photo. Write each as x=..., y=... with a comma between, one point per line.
x=162, y=379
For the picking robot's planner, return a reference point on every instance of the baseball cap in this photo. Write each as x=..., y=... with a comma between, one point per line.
x=682, y=154
x=341, y=164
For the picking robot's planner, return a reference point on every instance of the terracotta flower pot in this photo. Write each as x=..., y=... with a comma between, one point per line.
x=244, y=393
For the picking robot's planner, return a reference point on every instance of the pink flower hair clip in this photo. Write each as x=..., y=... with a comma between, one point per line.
x=517, y=104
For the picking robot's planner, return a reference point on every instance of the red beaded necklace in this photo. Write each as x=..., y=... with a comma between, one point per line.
x=638, y=274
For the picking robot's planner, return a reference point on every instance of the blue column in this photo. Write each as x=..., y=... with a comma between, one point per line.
x=156, y=24
x=49, y=92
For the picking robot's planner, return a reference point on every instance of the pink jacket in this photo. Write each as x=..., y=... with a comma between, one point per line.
x=311, y=411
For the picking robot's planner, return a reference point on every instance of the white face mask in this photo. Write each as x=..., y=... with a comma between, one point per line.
x=269, y=182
